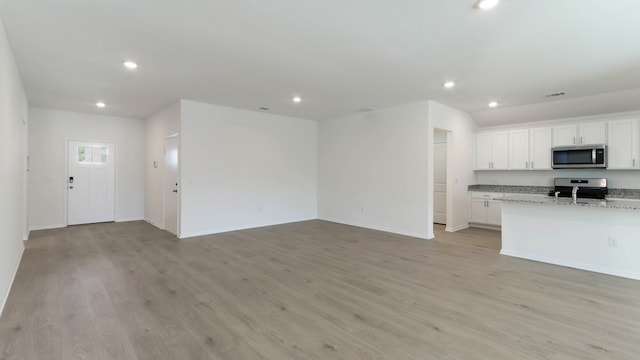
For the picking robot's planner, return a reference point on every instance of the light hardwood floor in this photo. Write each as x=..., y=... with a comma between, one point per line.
x=308, y=290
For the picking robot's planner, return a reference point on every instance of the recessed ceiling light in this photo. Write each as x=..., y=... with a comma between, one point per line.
x=485, y=4
x=297, y=99
x=493, y=104
x=130, y=65
x=100, y=104
x=449, y=84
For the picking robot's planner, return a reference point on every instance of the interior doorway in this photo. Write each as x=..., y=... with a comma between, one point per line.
x=440, y=176
x=90, y=182
x=171, y=184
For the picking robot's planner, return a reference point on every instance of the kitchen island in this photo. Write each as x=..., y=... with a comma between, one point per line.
x=596, y=235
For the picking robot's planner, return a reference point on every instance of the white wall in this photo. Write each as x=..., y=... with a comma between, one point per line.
x=49, y=132
x=158, y=127
x=460, y=160
x=372, y=170
x=13, y=130
x=243, y=169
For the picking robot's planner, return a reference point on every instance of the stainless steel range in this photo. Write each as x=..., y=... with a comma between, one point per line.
x=580, y=188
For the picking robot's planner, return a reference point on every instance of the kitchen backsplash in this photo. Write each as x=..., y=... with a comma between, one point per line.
x=622, y=179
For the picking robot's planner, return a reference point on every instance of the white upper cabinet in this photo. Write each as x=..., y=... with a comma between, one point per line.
x=581, y=134
x=530, y=149
x=519, y=149
x=540, y=149
x=565, y=135
x=491, y=151
x=623, y=148
x=483, y=151
x=499, y=151
x=593, y=133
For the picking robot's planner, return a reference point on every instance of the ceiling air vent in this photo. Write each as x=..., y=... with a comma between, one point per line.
x=554, y=94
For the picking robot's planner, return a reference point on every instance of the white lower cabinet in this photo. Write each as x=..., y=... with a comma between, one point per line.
x=485, y=210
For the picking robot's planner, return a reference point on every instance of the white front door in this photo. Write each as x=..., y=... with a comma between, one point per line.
x=440, y=183
x=90, y=182
x=171, y=185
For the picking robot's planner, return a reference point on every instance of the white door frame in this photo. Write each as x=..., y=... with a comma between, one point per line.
x=66, y=174
x=445, y=147
x=164, y=184
x=431, y=179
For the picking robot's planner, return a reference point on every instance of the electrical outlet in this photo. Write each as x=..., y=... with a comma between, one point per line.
x=613, y=242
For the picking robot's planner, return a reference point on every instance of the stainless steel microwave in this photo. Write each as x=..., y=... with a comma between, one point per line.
x=579, y=156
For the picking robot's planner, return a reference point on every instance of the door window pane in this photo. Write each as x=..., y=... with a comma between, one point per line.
x=93, y=154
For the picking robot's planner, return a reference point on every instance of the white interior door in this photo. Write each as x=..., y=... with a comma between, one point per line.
x=90, y=182
x=440, y=183
x=171, y=185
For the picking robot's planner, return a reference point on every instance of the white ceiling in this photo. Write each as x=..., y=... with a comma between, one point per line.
x=341, y=56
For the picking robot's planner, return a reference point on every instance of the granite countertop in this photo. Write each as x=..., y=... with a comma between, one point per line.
x=544, y=190
x=512, y=189
x=550, y=200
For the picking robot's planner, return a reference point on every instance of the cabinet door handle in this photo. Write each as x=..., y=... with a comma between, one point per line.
x=532, y=164
x=580, y=139
x=634, y=163
x=574, y=140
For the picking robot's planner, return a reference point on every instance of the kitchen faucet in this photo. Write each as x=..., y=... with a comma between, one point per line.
x=574, y=193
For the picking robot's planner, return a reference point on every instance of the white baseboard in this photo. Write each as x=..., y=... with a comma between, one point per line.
x=379, y=228
x=159, y=226
x=184, y=235
x=13, y=277
x=456, y=228
x=46, y=227
x=485, y=226
x=573, y=264
x=130, y=219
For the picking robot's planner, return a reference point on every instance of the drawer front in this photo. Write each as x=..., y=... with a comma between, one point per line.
x=485, y=195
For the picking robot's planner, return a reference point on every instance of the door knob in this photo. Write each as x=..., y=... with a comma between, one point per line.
x=175, y=191
x=70, y=187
